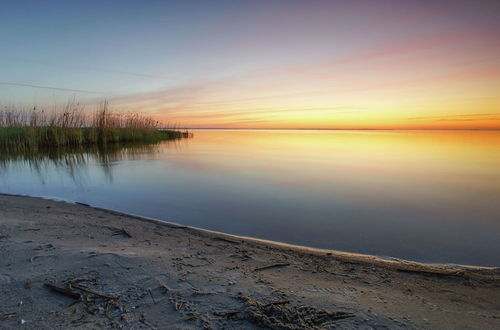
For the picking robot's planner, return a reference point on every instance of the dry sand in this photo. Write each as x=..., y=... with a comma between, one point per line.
x=166, y=276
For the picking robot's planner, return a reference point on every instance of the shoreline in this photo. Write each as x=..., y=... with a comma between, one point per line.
x=138, y=272
x=397, y=263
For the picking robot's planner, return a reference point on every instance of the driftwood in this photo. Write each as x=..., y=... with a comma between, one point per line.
x=179, y=305
x=228, y=313
x=271, y=266
x=122, y=232
x=7, y=315
x=201, y=293
x=437, y=273
x=88, y=290
x=153, y=298
x=277, y=303
x=283, y=316
x=227, y=240
x=63, y=291
x=178, y=227
x=165, y=287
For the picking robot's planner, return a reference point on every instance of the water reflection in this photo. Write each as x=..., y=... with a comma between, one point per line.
x=419, y=195
x=73, y=161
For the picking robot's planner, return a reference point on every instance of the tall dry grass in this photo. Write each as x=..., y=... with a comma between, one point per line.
x=72, y=126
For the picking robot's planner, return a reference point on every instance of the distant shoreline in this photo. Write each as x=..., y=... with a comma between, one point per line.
x=347, y=129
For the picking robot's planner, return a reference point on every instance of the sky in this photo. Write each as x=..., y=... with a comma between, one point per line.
x=374, y=64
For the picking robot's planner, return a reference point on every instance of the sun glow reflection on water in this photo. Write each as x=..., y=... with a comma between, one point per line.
x=423, y=195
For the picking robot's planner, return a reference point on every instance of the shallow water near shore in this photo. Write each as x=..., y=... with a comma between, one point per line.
x=430, y=196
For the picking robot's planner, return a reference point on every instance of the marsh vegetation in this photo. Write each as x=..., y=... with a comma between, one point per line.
x=36, y=129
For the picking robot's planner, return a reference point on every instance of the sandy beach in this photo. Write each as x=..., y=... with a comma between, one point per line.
x=73, y=266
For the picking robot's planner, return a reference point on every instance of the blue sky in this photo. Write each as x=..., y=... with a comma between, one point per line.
x=208, y=59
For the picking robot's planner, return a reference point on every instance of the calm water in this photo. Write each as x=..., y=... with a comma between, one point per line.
x=427, y=196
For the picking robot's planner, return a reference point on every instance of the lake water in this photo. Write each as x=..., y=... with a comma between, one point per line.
x=431, y=196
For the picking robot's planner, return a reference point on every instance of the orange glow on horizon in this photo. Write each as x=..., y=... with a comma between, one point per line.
x=409, y=91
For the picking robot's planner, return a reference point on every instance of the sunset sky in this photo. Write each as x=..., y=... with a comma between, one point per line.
x=260, y=64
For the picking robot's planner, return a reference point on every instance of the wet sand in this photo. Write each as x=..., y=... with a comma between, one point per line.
x=123, y=271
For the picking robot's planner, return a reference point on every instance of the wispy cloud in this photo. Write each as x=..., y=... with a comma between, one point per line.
x=50, y=87
x=412, y=45
x=85, y=68
x=318, y=75
x=460, y=117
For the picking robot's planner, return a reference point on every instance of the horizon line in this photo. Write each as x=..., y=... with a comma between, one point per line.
x=341, y=129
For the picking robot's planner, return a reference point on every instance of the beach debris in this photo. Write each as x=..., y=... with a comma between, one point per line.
x=7, y=315
x=177, y=227
x=227, y=240
x=82, y=319
x=45, y=247
x=83, y=204
x=192, y=316
x=431, y=272
x=93, y=302
x=178, y=302
x=31, y=229
x=179, y=305
x=88, y=290
x=283, y=315
x=152, y=298
x=35, y=257
x=198, y=292
x=143, y=320
x=122, y=232
x=164, y=286
x=228, y=313
x=64, y=291
x=283, y=264
x=283, y=302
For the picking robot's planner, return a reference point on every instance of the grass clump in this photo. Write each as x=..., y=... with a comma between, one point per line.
x=73, y=127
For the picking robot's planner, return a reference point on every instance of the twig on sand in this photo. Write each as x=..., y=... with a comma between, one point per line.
x=88, y=290
x=164, y=286
x=63, y=291
x=179, y=305
x=35, y=257
x=437, y=273
x=142, y=319
x=228, y=313
x=227, y=240
x=122, y=232
x=178, y=227
x=82, y=319
x=153, y=298
x=342, y=315
x=7, y=315
x=201, y=293
x=284, y=302
x=271, y=266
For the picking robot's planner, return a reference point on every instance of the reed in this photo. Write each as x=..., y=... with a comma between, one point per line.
x=35, y=129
